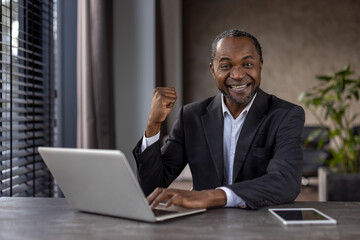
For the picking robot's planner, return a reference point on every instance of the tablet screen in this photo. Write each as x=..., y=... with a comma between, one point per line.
x=301, y=216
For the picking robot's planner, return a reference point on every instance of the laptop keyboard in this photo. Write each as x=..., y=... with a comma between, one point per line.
x=158, y=212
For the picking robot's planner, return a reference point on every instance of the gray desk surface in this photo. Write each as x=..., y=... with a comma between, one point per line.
x=42, y=218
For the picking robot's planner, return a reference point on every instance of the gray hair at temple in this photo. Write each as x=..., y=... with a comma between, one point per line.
x=235, y=33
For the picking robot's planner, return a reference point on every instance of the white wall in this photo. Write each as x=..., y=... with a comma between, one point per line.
x=134, y=69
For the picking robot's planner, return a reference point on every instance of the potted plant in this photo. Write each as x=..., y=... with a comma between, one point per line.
x=329, y=101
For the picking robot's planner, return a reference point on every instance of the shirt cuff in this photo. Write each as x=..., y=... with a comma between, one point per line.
x=232, y=200
x=147, y=142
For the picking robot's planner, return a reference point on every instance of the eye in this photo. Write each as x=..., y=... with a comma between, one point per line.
x=248, y=65
x=225, y=66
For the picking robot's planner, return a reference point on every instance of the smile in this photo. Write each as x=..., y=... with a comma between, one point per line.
x=239, y=87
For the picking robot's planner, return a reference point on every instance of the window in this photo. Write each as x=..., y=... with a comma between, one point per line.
x=26, y=95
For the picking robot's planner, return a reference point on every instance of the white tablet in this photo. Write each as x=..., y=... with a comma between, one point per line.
x=290, y=216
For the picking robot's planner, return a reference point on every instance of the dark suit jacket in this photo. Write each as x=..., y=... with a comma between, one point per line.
x=268, y=158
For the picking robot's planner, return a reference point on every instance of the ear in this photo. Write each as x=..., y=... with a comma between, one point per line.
x=212, y=70
x=261, y=64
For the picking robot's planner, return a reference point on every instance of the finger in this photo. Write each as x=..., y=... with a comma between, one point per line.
x=165, y=94
x=167, y=99
x=176, y=199
x=164, y=90
x=170, y=105
x=164, y=195
x=161, y=97
x=172, y=95
x=168, y=102
x=153, y=195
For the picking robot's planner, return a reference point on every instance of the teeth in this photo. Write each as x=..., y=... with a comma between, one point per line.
x=239, y=87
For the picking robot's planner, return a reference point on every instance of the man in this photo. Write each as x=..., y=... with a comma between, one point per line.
x=243, y=146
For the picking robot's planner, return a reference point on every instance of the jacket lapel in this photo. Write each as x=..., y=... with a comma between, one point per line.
x=213, y=124
x=251, y=125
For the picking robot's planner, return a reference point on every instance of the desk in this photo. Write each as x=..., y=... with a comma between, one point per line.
x=43, y=218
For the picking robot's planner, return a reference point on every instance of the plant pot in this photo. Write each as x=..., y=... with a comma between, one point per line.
x=338, y=186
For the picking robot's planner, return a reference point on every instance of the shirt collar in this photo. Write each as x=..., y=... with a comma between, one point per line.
x=226, y=110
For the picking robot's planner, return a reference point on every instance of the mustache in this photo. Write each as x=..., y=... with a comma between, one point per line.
x=243, y=81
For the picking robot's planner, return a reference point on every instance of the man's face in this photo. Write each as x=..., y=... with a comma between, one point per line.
x=237, y=69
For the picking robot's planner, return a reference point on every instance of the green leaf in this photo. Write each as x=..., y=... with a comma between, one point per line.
x=314, y=134
x=354, y=91
x=317, y=101
x=334, y=133
x=328, y=112
x=345, y=72
x=324, y=78
x=330, y=97
x=321, y=143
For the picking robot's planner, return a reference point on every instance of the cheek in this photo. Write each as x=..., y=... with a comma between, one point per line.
x=221, y=76
x=255, y=75
x=218, y=82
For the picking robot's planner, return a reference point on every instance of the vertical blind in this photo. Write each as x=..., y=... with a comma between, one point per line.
x=26, y=95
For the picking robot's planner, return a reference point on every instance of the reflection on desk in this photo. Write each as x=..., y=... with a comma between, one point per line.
x=49, y=218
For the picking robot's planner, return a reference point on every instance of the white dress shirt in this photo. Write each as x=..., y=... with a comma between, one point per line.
x=232, y=129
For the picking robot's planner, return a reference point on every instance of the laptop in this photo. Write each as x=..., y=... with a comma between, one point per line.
x=102, y=182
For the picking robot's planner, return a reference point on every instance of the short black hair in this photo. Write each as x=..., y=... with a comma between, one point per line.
x=235, y=33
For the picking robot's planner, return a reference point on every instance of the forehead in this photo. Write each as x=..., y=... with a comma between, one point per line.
x=236, y=46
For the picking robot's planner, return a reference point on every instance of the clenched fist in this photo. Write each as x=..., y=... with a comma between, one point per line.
x=163, y=101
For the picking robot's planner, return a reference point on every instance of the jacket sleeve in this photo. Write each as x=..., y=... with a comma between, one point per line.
x=159, y=166
x=282, y=180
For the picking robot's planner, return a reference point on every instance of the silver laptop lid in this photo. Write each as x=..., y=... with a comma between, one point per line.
x=101, y=181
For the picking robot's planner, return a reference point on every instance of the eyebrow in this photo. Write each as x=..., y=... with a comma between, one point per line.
x=244, y=58
x=227, y=58
x=224, y=59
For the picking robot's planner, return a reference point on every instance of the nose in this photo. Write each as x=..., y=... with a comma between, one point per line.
x=237, y=73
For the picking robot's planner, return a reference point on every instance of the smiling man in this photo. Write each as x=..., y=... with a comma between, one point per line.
x=243, y=146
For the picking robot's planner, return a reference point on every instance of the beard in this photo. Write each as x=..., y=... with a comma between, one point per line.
x=243, y=101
